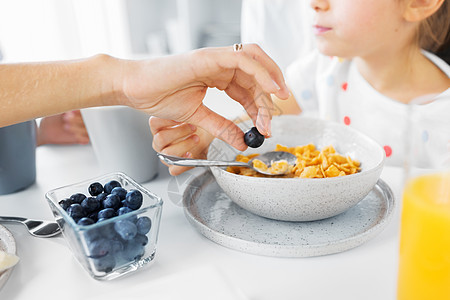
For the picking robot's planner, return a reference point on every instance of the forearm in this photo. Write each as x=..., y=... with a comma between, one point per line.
x=33, y=90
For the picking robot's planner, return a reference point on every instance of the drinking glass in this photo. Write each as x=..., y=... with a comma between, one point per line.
x=424, y=261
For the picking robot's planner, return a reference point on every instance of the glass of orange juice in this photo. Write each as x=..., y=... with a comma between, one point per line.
x=424, y=260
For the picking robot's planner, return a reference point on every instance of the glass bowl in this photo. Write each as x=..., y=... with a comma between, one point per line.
x=102, y=248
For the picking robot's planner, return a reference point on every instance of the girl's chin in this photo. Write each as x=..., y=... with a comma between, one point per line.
x=328, y=50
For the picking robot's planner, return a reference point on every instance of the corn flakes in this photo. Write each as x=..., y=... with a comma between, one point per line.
x=311, y=163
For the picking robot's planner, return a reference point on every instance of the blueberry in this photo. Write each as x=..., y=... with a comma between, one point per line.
x=107, y=231
x=105, y=264
x=133, y=199
x=65, y=203
x=126, y=229
x=110, y=185
x=123, y=210
x=93, y=216
x=101, y=197
x=112, y=201
x=119, y=191
x=90, y=204
x=141, y=239
x=117, y=246
x=95, y=189
x=85, y=221
x=253, y=138
x=106, y=213
x=76, y=211
x=143, y=225
x=77, y=198
x=133, y=250
x=99, y=248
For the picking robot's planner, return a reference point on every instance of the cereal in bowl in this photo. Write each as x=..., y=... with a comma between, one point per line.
x=311, y=163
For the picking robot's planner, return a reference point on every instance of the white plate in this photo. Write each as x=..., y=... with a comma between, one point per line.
x=219, y=219
x=7, y=244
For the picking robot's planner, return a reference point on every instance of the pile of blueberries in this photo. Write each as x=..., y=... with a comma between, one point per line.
x=114, y=243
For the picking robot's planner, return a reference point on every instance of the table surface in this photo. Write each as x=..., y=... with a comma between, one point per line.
x=48, y=270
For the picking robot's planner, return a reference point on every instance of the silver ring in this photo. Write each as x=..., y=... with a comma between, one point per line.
x=237, y=47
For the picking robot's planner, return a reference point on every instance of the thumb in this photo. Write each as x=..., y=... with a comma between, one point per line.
x=219, y=126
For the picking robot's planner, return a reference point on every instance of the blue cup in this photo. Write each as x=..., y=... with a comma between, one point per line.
x=17, y=157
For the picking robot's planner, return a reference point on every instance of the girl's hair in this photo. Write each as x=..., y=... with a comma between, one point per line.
x=434, y=32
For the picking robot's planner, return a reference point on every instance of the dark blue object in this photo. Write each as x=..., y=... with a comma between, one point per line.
x=101, y=197
x=143, y=225
x=123, y=210
x=112, y=201
x=133, y=250
x=95, y=189
x=105, y=264
x=106, y=213
x=78, y=198
x=65, y=203
x=253, y=138
x=126, y=229
x=133, y=199
x=119, y=191
x=110, y=185
x=90, y=204
x=85, y=221
x=99, y=248
x=76, y=211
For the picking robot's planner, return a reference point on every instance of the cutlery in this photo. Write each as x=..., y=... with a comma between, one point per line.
x=36, y=228
x=268, y=158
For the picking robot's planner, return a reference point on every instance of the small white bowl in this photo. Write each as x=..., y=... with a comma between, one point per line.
x=302, y=199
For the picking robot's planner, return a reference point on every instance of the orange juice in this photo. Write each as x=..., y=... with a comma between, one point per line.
x=424, y=269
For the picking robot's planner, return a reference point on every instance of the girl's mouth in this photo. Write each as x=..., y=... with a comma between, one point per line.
x=319, y=30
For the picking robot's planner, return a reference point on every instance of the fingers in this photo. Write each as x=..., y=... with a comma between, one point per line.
x=157, y=124
x=253, y=61
x=173, y=138
x=172, y=135
x=259, y=55
x=219, y=127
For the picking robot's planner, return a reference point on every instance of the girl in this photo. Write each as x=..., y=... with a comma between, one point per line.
x=373, y=61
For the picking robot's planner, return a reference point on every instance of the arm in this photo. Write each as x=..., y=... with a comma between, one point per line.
x=171, y=87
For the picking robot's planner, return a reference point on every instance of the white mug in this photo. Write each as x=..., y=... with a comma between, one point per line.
x=122, y=141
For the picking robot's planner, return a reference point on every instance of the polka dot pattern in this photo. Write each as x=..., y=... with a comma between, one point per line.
x=344, y=86
x=388, y=150
x=347, y=120
x=306, y=94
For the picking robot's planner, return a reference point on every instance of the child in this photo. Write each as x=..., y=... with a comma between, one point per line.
x=63, y=129
x=373, y=61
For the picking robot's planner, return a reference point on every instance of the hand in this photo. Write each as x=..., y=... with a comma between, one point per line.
x=65, y=128
x=173, y=87
x=180, y=139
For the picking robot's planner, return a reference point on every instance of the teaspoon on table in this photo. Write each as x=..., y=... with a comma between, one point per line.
x=268, y=158
x=36, y=228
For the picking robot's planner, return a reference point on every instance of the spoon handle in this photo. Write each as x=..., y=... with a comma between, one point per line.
x=12, y=219
x=191, y=162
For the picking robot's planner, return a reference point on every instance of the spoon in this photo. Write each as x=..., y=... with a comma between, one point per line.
x=35, y=228
x=268, y=158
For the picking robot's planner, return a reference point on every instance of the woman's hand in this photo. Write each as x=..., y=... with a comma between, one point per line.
x=179, y=139
x=173, y=88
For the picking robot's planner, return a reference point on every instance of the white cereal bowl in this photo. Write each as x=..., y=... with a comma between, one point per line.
x=302, y=199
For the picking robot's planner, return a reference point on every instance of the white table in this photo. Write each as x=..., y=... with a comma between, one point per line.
x=48, y=269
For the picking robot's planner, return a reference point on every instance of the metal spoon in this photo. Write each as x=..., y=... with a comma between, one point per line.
x=268, y=158
x=35, y=227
